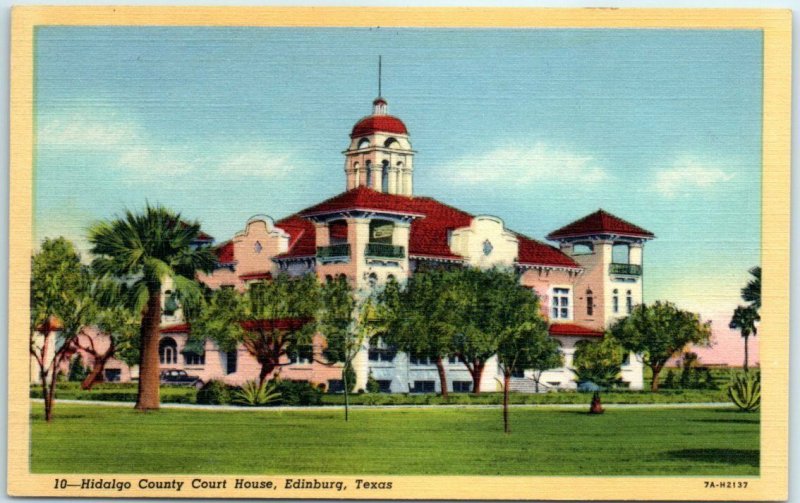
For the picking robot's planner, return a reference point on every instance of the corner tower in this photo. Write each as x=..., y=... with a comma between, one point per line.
x=380, y=156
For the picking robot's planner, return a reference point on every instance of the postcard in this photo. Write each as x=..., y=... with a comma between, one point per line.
x=399, y=253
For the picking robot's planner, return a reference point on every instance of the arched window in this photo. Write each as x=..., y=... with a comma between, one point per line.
x=369, y=175
x=615, y=301
x=373, y=280
x=168, y=351
x=589, y=302
x=385, y=177
x=363, y=143
x=257, y=247
x=328, y=278
x=391, y=143
x=629, y=301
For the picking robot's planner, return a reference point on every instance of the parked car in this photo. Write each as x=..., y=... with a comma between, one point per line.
x=176, y=377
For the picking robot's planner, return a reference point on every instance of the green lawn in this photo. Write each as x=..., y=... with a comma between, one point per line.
x=440, y=441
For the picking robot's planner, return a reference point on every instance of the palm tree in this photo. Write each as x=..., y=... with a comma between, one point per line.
x=144, y=249
x=744, y=319
x=752, y=291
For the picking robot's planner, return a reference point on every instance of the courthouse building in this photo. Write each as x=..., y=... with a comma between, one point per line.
x=379, y=228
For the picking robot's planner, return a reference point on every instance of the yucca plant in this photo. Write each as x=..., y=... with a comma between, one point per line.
x=745, y=391
x=253, y=393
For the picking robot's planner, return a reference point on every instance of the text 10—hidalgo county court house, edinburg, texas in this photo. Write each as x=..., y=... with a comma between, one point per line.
x=377, y=229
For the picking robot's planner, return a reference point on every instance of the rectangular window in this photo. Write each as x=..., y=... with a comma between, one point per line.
x=112, y=375
x=386, y=385
x=517, y=373
x=422, y=360
x=335, y=386
x=560, y=304
x=230, y=362
x=629, y=302
x=462, y=386
x=423, y=387
x=452, y=360
x=194, y=359
x=301, y=355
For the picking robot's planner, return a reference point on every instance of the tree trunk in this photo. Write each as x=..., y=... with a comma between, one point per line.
x=745, y=354
x=477, y=372
x=346, y=393
x=596, y=407
x=442, y=376
x=149, y=364
x=656, y=372
x=98, y=367
x=506, y=387
x=48, y=404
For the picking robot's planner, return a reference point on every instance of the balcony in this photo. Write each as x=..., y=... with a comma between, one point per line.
x=626, y=269
x=384, y=251
x=334, y=253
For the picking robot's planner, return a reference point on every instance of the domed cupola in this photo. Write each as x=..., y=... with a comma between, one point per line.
x=380, y=156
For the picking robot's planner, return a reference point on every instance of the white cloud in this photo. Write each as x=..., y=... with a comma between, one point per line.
x=539, y=163
x=262, y=162
x=128, y=148
x=688, y=175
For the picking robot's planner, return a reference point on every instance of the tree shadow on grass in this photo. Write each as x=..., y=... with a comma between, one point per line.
x=749, y=457
x=754, y=420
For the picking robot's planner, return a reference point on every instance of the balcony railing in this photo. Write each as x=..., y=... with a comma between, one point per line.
x=627, y=269
x=333, y=252
x=380, y=250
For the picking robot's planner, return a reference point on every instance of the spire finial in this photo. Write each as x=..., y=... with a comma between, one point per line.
x=379, y=75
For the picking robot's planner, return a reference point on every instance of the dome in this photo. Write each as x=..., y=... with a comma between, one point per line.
x=378, y=124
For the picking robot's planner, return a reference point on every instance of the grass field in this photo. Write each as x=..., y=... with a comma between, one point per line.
x=439, y=441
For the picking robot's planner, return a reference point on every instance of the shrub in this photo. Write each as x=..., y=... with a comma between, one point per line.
x=745, y=391
x=214, y=393
x=298, y=393
x=372, y=384
x=77, y=372
x=252, y=393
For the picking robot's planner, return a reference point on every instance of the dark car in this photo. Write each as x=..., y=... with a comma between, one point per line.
x=177, y=377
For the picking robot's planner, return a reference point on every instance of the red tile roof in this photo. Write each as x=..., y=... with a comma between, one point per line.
x=224, y=253
x=255, y=276
x=276, y=324
x=302, y=237
x=362, y=198
x=176, y=329
x=574, y=330
x=378, y=123
x=599, y=222
x=532, y=252
x=429, y=233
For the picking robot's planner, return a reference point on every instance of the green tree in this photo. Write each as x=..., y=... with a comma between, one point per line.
x=752, y=290
x=599, y=363
x=347, y=324
x=144, y=249
x=420, y=317
x=744, y=319
x=272, y=320
x=119, y=323
x=524, y=346
x=658, y=331
x=62, y=304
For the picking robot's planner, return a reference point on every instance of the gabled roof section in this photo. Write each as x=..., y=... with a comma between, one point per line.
x=534, y=253
x=362, y=198
x=302, y=237
x=224, y=253
x=599, y=222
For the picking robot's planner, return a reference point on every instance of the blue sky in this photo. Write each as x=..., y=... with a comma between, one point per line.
x=538, y=127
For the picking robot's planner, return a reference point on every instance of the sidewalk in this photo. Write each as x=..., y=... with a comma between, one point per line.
x=318, y=408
